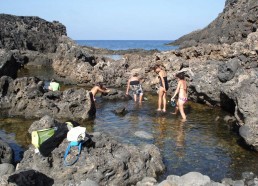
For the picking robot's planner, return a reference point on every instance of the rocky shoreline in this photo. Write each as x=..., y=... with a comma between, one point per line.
x=238, y=19
x=102, y=161
x=221, y=67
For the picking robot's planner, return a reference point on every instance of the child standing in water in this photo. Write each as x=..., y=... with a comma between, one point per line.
x=182, y=97
x=134, y=84
x=162, y=75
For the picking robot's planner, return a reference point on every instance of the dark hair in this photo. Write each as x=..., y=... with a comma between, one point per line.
x=180, y=75
x=135, y=75
x=100, y=85
x=156, y=66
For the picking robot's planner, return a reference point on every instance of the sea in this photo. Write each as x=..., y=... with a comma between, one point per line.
x=128, y=44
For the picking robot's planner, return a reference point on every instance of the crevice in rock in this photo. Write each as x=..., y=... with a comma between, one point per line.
x=227, y=103
x=5, y=88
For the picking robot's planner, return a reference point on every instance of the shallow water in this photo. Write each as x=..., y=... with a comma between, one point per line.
x=43, y=73
x=200, y=144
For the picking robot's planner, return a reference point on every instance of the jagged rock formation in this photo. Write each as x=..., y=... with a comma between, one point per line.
x=29, y=33
x=25, y=97
x=238, y=19
x=11, y=62
x=102, y=159
x=223, y=75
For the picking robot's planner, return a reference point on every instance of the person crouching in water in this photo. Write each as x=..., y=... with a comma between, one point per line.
x=163, y=82
x=54, y=86
x=96, y=89
x=181, y=90
x=135, y=84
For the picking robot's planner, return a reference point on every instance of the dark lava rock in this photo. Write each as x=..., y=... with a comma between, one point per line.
x=6, y=153
x=25, y=97
x=102, y=160
x=29, y=33
x=238, y=19
x=227, y=70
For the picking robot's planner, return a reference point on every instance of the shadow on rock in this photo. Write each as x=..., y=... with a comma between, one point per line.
x=30, y=177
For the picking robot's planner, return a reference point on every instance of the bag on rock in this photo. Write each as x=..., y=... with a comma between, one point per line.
x=47, y=140
x=76, y=136
x=38, y=137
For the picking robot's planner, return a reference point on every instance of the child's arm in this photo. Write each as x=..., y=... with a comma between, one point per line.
x=177, y=90
x=103, y=90
x=128, y=86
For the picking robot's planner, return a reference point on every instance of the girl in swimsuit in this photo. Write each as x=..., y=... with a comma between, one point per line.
x=134, y=84
x=162, y=75
x=182, y=97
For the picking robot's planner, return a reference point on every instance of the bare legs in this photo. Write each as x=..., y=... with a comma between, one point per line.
x=162, y=99
x=180, y=107
x=140, y=98
x=135, y=97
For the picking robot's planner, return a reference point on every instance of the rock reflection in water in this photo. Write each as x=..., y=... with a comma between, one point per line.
x=202, y=143
x=15, y=132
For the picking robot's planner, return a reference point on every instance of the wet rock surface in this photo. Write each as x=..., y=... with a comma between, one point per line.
x=115, y=94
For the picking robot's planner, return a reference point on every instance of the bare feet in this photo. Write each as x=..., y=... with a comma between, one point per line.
x=183, y=119
x=164, y=110
x=158, y=110
x=174, y=113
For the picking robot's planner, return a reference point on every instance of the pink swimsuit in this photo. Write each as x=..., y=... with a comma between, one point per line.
x=183, y=99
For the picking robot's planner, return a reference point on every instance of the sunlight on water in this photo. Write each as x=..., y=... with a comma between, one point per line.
x=200, y=144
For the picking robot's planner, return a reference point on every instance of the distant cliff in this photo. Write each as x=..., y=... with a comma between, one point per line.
x=238, y=19
x=29, y=33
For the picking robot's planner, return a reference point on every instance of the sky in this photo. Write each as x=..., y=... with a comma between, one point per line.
x=121, y=19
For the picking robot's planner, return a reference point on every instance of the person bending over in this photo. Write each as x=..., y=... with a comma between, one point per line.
x=96, y=89
x=162, y=92
x=54, y=86
x=134, y=84
x=181, y=90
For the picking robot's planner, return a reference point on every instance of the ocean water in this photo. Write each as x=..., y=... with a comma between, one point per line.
x=128, y=44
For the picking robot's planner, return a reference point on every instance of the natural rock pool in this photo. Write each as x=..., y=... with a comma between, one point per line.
x=203, y=143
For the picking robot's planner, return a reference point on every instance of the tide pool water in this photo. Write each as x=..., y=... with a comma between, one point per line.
x=203, y=143
x=128, y=44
